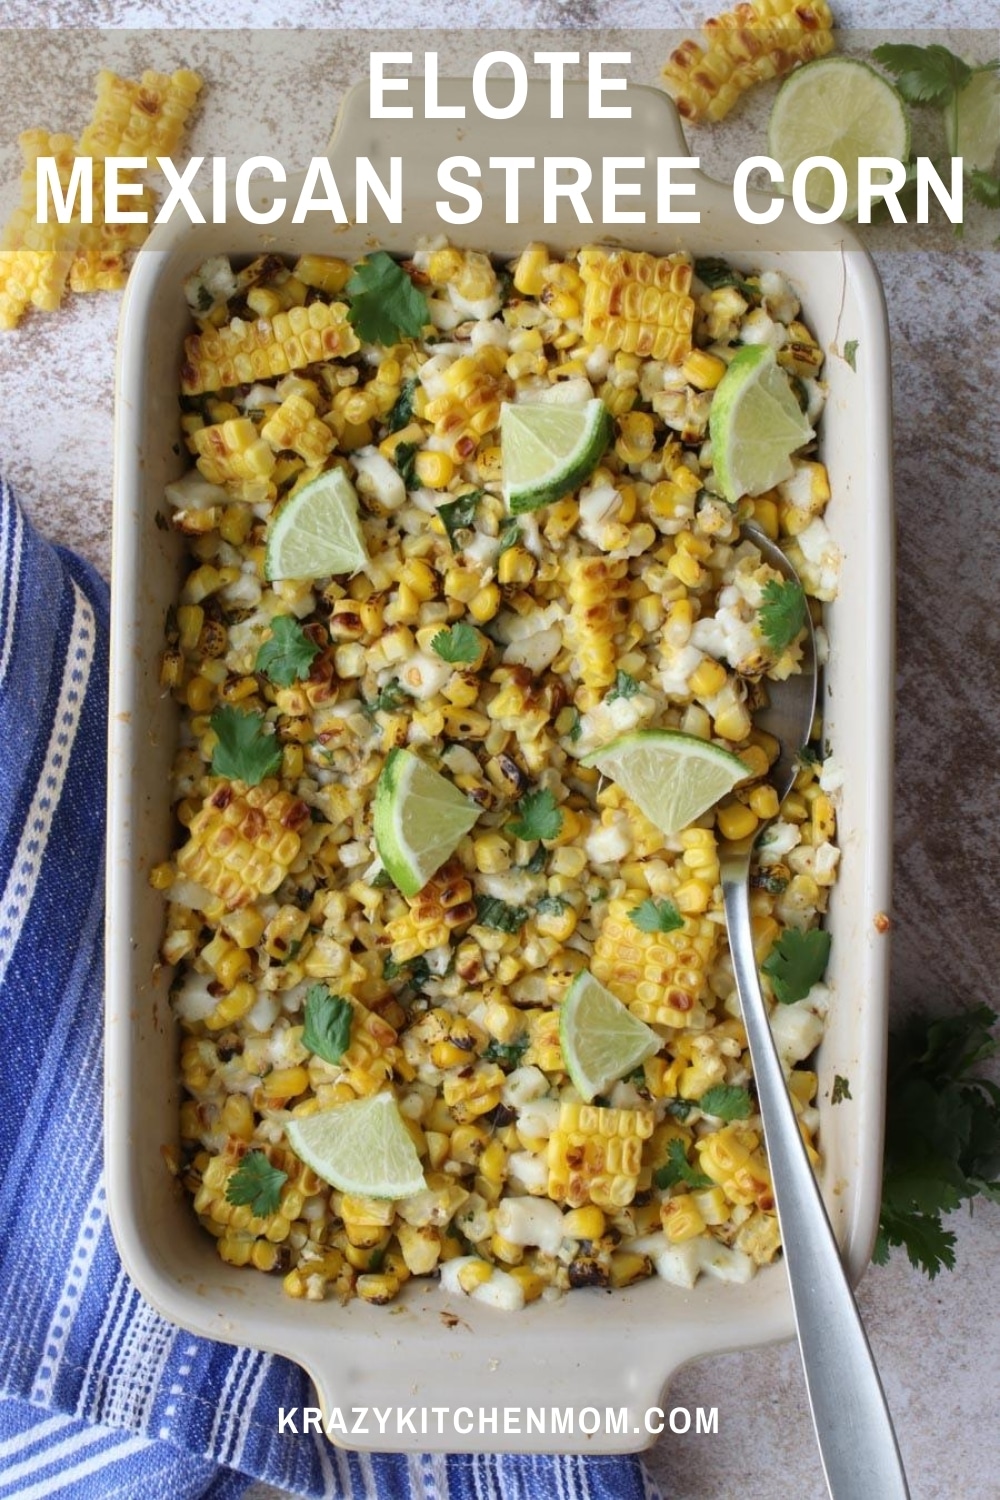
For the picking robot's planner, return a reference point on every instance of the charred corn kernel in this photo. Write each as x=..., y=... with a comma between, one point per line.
x=681, y=1219
x=765, y=514
x=708, y=678
x=628, y=1267
x=636, y=437
x=754, y=757
x=434, y=470
x=492, y=853
x=161, y=877
x=484, y=603
x=232, y=451
x=530, y=1282
x=516, y=566
x=595, y=1155
x=493, y=1163
x=529, y=273
x=286, y=1083
x=637, y=303
x=474, y=1273
x=325, y=272
x=245, y=352
x=598, y=594
x=294, y=425
x=753, y=43
x=824, y=820
x=262, y=301
x=243, y=841
x=737, y=821
x=703, y=370
x=763, y=801
x=584, y=1223
x=660, y=976
x=237, y=1117
x=732, y=720
x=693, y=897
x=559, y=924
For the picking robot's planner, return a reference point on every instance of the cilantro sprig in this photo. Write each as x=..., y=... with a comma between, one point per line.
x=459, y=515
x=327, y=1031
x=457, y=644
x=726, y=1101
x=924, y=75
x=501, y=916
x=625, y=686
x=245, y=752
x=507, y=1054
x=677, y=1169
x=783, y=613
x=537, y=817
x=289, y=654
x=716, y=273
x=256, y=1185
x=402, y=411
x=942, y=1144
x=656, y=916
x=385, y=305
x=851, y=353
x=796, y=962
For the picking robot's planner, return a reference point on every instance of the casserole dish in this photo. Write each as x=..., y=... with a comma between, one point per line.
x=586, y=1350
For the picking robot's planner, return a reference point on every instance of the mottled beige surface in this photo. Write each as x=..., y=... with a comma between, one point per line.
x=936, y=1344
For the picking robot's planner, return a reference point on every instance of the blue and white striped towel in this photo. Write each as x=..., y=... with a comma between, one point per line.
x=99, y=1396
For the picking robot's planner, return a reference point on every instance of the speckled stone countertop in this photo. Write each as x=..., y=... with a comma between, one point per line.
x=936, y=1343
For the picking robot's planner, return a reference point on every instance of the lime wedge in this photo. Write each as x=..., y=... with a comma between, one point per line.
x=755, y=424
x=672, y=777
x=360, y=1147
x=317, y=532
x=841, y=108
x=599, y=1037
x=972, y=122
x=420, y=817
x=549, y=450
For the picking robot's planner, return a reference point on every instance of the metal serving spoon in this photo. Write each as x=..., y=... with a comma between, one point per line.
x=857, y=1444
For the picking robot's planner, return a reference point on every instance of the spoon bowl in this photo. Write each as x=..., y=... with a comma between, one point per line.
x=854, y=1430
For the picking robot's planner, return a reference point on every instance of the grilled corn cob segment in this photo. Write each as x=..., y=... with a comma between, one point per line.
x=752, y=43
x=503, y=650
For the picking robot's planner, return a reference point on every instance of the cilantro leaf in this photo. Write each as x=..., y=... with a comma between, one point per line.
x=401, y=413
x=841, y=1089
x=552, y=906
x=538, y=817
x=509, y=537
x=625, y=686
x=716, y=273
x=929, y=1246
x=656, y=916
x=288, y=655
x=416, y=971
x=851, y=353
x=507, y=1054
x=244, y=752
x=680, y=1108
x=782, y=613
x=985, y=189
x=458, y=644
x=459, y=515
x=388, y=698
x=256, y=1185
x=385, y=305
x=576, y=728
x=797, y=962
x=404, y=456
x=726, y=1102
x=500, y=915
x=924, y=75
x=677, y=1169
x=327, y=1031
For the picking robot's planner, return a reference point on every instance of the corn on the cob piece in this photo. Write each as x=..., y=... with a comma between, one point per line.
x=750, y=44
x=232, y=452
x=144, y=118
x=661, y=976
x=100, y=263
x=595, y=1155
x=243, y=840
x=444, y=904
x=469, y=408
x=371, y=1058
x=35, y=258
x=598, y=594
x=637, y=302
x=242, y=351
x=295, y=426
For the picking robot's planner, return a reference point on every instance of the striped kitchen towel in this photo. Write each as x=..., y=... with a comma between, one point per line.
x=99, y=1396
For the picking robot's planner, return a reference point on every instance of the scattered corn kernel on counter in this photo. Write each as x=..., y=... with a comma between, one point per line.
x=501, y=649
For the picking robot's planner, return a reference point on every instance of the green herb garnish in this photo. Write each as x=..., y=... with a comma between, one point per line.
x=459, y=515
x=327, y=1031
x=256, y=1185
x=507, y=1054
x=626, y=686
x=404, y=456
x=851, y=353
x=677, y=1169
x=841, y=1089
x=796, y=962
x=726, y=1102
x=537, y=817
x=509, y=537
x=401, y=413
x=551, y=906
x=288, y=656
x=783, y=612
x=716, y=273
x=656, y=916
x=924, y=75
x=388, y=698
x=244, y=752
x=385, y=305
x=500, y=915
x=457, y=644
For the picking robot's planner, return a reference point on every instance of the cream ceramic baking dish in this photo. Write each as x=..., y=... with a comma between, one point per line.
x=589, y=1349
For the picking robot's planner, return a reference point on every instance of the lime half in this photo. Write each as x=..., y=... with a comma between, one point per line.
x=843, y=109
x=317, y=532
x=362, y=1147
x=420, y=817
x=550, y=450
x=972, y=122
x=599, y=1037
x=755, y=424
x=672, y=777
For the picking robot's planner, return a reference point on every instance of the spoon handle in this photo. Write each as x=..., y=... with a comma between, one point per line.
x=854, y=1430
